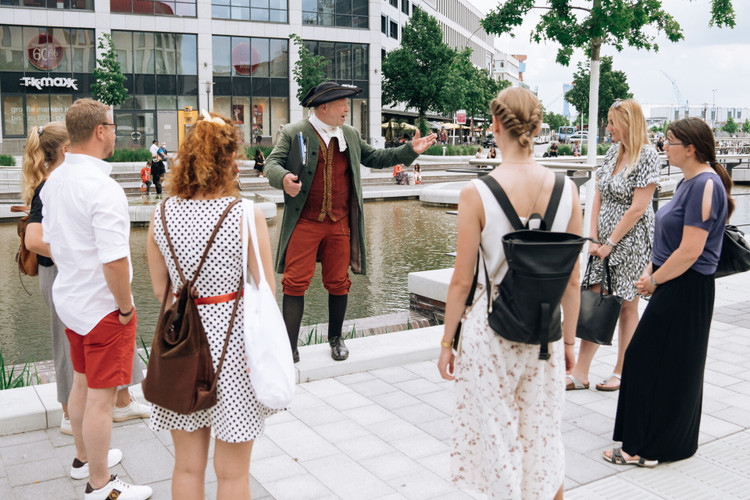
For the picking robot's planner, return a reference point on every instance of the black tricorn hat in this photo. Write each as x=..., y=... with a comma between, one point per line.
x=327, y=92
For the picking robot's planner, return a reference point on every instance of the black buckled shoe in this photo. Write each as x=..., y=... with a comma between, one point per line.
x=295, y=355
x=339, y=352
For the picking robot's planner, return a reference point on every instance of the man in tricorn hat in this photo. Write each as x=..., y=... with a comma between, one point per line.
x=323, y=217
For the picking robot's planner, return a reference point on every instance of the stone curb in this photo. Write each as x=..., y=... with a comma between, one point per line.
x=36, y=408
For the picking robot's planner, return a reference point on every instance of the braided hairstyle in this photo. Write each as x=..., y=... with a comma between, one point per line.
x=519, y=112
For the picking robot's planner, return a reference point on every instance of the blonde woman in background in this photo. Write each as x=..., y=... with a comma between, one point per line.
x=45, y=150
x=623, y=222
x=507, y=438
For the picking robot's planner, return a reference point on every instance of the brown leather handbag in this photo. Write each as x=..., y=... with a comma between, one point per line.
x=26, y=259
x=180, y=373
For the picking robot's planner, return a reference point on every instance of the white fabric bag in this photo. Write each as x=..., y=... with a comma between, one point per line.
x=269, y=356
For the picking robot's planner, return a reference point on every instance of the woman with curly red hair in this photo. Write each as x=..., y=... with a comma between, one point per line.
x=202, y=185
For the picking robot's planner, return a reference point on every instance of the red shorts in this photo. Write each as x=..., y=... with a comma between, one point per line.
x=105, y=355
x=310, y=239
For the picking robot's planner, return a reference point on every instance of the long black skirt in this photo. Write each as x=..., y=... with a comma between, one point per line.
x=661, y=393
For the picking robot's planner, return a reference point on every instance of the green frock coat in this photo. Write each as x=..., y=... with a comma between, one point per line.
x=358, y=152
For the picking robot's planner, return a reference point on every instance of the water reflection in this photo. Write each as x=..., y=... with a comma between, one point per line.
x=402, y=236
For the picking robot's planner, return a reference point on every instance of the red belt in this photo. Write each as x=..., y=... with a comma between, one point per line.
x=216, y=299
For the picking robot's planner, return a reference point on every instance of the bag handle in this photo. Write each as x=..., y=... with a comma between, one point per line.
x=510, y=212
x=248, y=208
x=208, y=245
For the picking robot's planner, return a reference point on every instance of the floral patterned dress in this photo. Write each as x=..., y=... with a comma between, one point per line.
x=633, y=252
x=507, y=440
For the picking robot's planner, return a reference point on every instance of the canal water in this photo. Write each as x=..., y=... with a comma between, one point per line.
x=402, y=237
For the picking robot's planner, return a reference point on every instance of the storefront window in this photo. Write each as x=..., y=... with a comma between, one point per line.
x=260, y=56
x=279, y=115
x=13, y=116
x=187, y=48
x=123, y=42
x=143, y=50
x=222, y=55
x=274, y=11
x=343, y=13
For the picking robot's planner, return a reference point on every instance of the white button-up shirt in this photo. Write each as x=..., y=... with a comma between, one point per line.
x=327, y=132
x=86, y=224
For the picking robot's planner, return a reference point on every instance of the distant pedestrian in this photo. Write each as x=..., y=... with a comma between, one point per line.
x=146, y=178
x=87, y=227
x=163, y=154
x=157, y=173
x=660, y=404
x=553, y=149
x=154, y=149
x=260, y=161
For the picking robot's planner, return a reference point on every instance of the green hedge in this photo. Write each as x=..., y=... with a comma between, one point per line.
x=129, y=155
x=567, y=149
x=437, y=150
x=7, y=160
x=250, y=151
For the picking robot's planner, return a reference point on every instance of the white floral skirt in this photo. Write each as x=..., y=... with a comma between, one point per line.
x=507, y=441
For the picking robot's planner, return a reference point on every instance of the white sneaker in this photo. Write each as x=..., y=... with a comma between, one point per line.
x=65, y=426
x=119, y=490
x=133, y=410
x=82, y=471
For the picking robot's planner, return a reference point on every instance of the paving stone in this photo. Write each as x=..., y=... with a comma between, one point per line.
x=444, y=401
x=584, y=468
x=326, y=387
x=299, y=441
x=585, y=442
x=59, y=489
x=347, y=401
x=439, y=429
x=304, y=487
x=365, y=447
x=23, y=438
x=263, y=447
x=161, y=489
x=391, y=466
x=346, y=478
x=419, y=413
x=420, y=446
x=394, y=400
x=29, y=452
x=147, y=461
x=421, y=485
x=36, y=471
x=394, y=374
x=417, y=386
x=353, y=378
x=372, y=387
x=343, y=430
x=131, y=434
x=257, y=491
x=394, y=429
x=318, y=415
x=718, y=427
x=5, y=490
x=594, y=422
x=275, y=468
x=366, y=415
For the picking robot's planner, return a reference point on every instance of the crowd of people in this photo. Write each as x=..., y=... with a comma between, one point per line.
x=507, y=435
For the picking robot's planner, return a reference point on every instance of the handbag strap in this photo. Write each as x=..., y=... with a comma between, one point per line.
x=229, y=331
x=510, y=212
x=606, y=276
x=208, y=244
x=252, y=236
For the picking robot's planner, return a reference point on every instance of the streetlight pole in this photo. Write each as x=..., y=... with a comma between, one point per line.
x=209, y=85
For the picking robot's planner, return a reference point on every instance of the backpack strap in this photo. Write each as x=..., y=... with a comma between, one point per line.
x=503, y=201
x=208, y=245
x=554, y=201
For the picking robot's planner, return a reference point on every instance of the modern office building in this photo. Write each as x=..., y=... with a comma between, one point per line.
x=713, y=115
x=180, y=56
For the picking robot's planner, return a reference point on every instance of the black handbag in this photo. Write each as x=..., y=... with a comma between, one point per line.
x=735, y=253
x=599, y=311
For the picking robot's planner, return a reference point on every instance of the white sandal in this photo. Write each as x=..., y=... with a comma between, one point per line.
x=603, y=386
x=575, y=384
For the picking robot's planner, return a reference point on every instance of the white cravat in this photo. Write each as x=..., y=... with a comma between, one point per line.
x=327, y=132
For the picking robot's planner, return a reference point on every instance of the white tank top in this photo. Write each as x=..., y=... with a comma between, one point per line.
x=497, y=225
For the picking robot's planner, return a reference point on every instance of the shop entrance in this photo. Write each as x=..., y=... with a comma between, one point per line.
x=168, y=131
x=135, y=129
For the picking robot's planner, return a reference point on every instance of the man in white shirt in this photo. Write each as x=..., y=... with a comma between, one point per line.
x=154, y=149
x=87, y=226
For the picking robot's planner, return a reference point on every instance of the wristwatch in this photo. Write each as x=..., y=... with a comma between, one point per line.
x=653, y=281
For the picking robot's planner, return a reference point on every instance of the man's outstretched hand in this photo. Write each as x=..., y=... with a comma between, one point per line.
x=420, y=144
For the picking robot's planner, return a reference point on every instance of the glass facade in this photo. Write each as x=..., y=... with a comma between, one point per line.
x=51, y=4
x=350, y=65
x=42, y=70
x=272, y=11
x=342, y=13
x=251, y=84
x=182, y=8
x=161, y=74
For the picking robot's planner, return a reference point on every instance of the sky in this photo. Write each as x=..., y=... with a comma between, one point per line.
x=707, y=59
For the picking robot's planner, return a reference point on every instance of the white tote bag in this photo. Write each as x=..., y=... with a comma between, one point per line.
x=269, y=356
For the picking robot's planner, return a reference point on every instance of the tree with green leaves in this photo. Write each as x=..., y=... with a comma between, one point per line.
x=108, y=86
x=491, y=88
x=613, y=85
x=415, y=73
x=746, y=126
x=309, y=70
x=555, y=121
x=730, y=126
x=634, y=23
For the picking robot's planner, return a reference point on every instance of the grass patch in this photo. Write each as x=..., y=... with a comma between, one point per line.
x=437, y=150
x=7, y=160
x=9, y=379
x=129, y=155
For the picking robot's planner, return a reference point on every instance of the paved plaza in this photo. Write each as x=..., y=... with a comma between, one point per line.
x=385, y=434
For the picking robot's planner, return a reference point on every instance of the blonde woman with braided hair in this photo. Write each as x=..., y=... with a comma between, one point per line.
x=507, y=441
x=622, y=220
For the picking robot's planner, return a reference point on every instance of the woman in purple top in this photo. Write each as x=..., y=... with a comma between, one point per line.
x=659, y=406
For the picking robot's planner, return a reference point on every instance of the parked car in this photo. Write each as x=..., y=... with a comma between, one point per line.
x=580, y=136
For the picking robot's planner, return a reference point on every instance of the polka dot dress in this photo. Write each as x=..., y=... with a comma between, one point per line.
x=238, y=416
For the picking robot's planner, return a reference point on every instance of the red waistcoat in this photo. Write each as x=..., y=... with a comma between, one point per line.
x=329, y=191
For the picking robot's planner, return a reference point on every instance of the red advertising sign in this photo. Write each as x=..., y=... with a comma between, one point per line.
x=461, y=117
x=244, y=60
x=45, y=52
